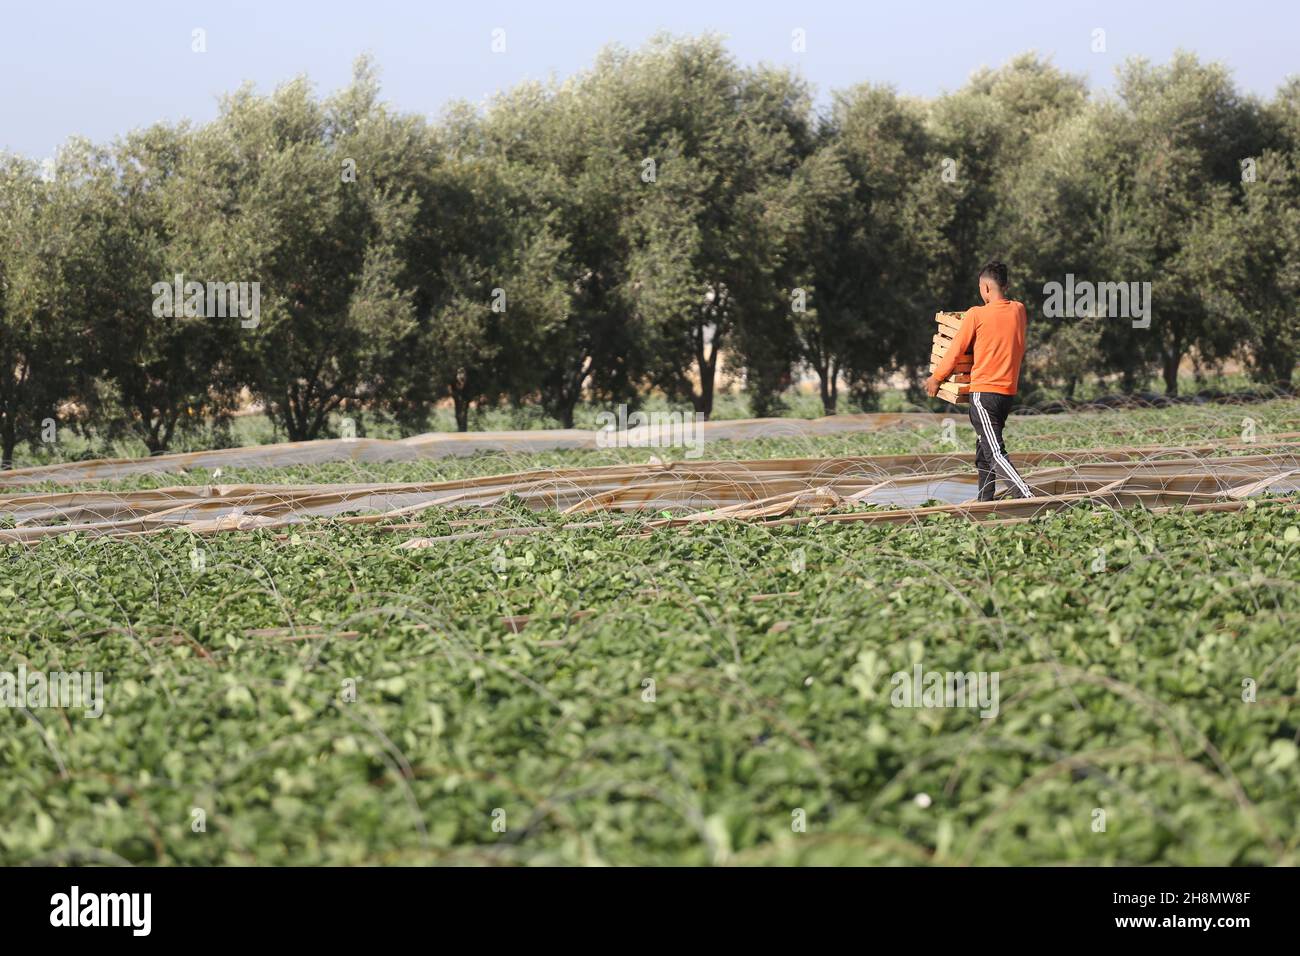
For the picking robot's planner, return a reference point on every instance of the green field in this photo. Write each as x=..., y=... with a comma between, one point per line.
x=721, y=695
x=254, y=428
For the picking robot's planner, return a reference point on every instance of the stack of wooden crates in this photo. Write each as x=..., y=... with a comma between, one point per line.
x=956, y=388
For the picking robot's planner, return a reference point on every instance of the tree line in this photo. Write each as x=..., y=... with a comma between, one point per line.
x=623, y=230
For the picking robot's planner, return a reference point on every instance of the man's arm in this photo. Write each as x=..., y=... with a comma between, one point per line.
x=961, y=344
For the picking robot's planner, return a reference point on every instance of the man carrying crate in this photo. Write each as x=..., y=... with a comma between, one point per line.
x=996, y=330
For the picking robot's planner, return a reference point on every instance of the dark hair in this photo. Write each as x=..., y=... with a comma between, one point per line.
x=995, y=271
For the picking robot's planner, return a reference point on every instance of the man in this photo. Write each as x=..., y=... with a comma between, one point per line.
x=997, y=329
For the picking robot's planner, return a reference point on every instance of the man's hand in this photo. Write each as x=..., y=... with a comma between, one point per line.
x=932, y=386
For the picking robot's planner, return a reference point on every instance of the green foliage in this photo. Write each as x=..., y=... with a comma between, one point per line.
x=872, y=242
x=162, y=375
x=710, y=162
x=670, y=224
x=1247, y=254
x=317, y=202
x=1121, y=689
x=496, y=294
x=43, y=335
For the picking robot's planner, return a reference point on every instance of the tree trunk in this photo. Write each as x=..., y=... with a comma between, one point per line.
x=148, y=428
x=703, y=402
x=294, y=430
x=462, y=412
x=281, y=418
x=157, y=435
x=1172, y=359
x=569, y=400
x=826, y=377
x=300, y=422
x=322, y=416
x=708, y=366
x=1279, y=368
x=9, y=440
x=565, y=400
x=293, y=417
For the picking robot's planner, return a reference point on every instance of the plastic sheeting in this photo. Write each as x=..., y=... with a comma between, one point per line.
x=448, y=444
x=692, y=491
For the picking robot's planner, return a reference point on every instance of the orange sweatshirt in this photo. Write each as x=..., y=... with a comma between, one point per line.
x=998, y=332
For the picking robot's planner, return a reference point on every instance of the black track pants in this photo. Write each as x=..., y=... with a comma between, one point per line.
x=988, y=413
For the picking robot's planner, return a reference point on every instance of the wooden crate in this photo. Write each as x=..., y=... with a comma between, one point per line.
x=956, y=389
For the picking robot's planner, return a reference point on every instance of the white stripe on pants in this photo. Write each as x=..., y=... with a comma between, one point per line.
x=1001, y=464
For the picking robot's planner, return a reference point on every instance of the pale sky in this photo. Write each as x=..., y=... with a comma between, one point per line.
x=99, y=68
